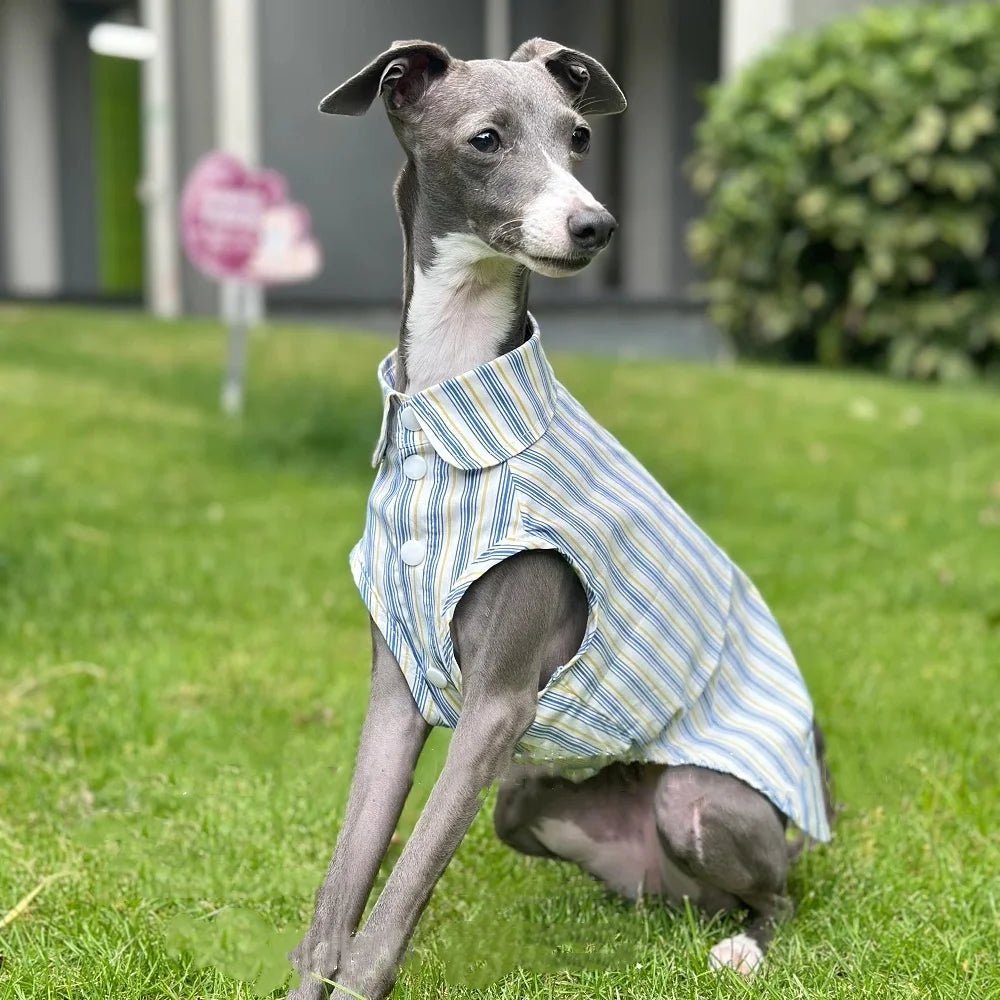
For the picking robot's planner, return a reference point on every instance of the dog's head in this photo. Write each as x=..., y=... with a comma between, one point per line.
x=493, y=144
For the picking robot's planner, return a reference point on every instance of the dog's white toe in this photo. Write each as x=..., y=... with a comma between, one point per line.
x=739, y=952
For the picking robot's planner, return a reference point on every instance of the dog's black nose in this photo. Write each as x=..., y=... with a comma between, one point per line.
x=591, y=229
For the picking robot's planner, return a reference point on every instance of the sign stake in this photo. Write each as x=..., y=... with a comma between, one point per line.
x=236, y=360
x=240, y=228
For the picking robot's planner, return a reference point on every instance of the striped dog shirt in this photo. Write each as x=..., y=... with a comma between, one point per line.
x=681, y=662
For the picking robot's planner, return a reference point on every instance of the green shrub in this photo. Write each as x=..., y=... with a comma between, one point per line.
x=852, y=181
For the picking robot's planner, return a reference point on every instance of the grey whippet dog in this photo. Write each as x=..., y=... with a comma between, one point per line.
x=485, y=197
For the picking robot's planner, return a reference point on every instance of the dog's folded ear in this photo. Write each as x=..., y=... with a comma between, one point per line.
x=589, y=86
x=402, y=74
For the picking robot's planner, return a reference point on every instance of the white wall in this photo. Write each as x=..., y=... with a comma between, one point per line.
x=29, y=178
x=238, y=121
x=163, y=281
x=236, y=79
x=751, y=26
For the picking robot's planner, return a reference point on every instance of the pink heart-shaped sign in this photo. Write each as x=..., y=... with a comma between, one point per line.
x=238, y=224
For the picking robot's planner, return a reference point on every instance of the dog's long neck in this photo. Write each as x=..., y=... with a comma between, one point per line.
x=463, y=304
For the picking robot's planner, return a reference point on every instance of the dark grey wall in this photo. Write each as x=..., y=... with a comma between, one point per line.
x=77, y=173
x=343, y=168
x=4, y=289
x=672, y=52
x=694, y=65
x=590, y=26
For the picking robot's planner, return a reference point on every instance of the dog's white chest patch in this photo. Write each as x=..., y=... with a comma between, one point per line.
x=455, y=318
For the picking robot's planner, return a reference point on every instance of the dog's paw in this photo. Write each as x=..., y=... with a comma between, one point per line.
x=739, y=952
x=315, y=961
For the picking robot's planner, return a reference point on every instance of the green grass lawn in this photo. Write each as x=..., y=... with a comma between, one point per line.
x=184, y=662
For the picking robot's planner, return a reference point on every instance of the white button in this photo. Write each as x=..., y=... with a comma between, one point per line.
x=409, y=419
x=414, y=467
x=413, y=552
x=437, y=677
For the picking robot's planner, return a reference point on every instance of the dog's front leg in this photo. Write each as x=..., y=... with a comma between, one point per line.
x=391, y=740
x=480, y=750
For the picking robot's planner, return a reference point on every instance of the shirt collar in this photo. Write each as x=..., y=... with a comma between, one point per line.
x=483, y=417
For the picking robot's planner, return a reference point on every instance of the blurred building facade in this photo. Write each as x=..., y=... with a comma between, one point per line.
x=93, y=149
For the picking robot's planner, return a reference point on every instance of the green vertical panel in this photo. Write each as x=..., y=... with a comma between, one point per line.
x=118, y=136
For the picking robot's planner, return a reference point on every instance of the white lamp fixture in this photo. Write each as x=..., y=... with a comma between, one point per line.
x=124, y=41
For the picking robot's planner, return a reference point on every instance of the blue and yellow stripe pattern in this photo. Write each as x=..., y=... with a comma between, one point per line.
x=682, y=662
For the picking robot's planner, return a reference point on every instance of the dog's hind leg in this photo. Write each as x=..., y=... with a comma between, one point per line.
x=730, y=839
x=604, y=824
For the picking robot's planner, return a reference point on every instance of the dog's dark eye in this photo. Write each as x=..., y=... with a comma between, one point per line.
x=580, y=142
x=486, y=141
